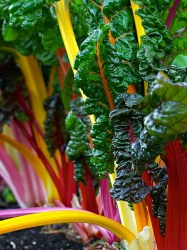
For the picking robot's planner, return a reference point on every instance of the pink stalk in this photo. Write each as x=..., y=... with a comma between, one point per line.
x=34, y=189
x=40, y=154
x=172, y=12
x=79, y=228
x=8, y=213
x=16, y=187
x=29, y=112
x=109, y=208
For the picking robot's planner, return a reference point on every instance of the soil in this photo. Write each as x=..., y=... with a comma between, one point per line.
x=39, y=238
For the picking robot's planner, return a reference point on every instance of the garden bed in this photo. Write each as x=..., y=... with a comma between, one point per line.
x=40, y=238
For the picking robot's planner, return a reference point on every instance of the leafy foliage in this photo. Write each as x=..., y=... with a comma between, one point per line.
x=128, y=123
x=55, y=133
x=168, y=119
x=24, y=27
x=67, y=90
x=105, y=68
x=78, y=148
x=10, y=80
x=158, y=193
x=176, y=23
x=157, y=43
x=80, y=19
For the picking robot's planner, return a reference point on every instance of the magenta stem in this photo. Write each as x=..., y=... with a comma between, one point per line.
x=172, y=12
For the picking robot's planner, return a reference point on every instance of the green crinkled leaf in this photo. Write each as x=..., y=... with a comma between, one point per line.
x=80, y=19
x=106, y=66
x=170, y=115
x=77, y=106
x=24, y=25
x=180, y=61
x=78, y=148
x=79, y=142
x=159, y=194
x=10, y=83
x=67, y=90
x=121, y=23
x=157, y=44
x=56, y=135
x=128, y=123
x=9, y=32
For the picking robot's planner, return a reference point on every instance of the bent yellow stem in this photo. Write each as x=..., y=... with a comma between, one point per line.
x=68, y=216
x=34, y=160
x=140, y=32
x=72, y=50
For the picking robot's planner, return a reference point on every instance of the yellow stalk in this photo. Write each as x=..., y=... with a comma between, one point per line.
x=140, y=32
x=72, y=50
x=126, y=215
x=38, y=93
x=140, y=209
x=10, y=150
x=144, y=241
x=64, y=22
x=35, y=84
x=68, y=216
x=35, y=163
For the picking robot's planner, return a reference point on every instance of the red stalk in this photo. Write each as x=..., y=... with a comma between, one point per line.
x=28, y=111
x=160, y=240
x=88, y=193
x=132, y=137
x=64, y=67
x=176, y=220
x=71, y=183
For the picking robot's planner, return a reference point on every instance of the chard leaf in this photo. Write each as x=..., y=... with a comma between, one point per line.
x=105, y=67
x=56, y=135
x=24, y=25
x=78, y=149
x=128, y=123
x=157, y=43
x=67, y=90
x=170, y=115
x=9, y=84
x=79, y=141
x=80, y=19
x=159, y=194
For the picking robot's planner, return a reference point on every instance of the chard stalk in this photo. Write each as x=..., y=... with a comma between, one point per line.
x=172, y=13
x=140, y=32
x=36, y=163
x=65, y=216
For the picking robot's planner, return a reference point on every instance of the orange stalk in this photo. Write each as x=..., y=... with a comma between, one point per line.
x=104, y=80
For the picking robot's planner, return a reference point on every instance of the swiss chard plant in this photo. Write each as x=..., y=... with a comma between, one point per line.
x=131, y=72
